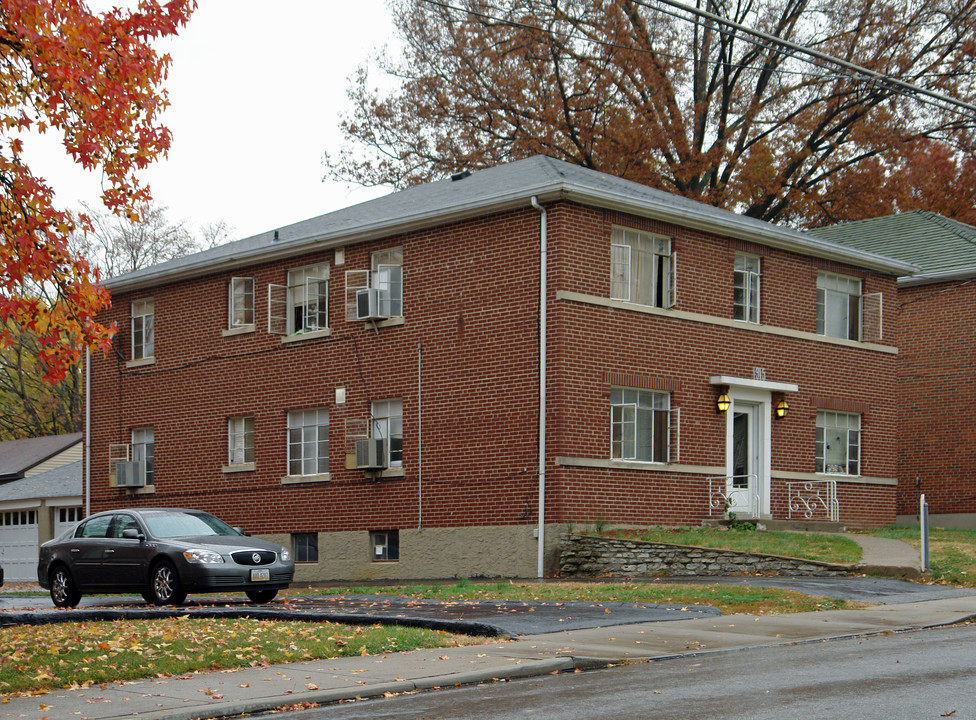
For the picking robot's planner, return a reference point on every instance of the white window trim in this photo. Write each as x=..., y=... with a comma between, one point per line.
x=138, y=311
x=847, y=442
x=380, y=427
x=232, y=307
x=750, y=302
x=282, y=304
x=320, y=474
x=237, y=442
x=668, y=277
x=673, y=451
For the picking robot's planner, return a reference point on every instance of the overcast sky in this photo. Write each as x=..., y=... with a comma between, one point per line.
x=256, y=91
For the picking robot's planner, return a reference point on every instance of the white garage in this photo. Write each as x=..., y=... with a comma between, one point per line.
x=18, y=544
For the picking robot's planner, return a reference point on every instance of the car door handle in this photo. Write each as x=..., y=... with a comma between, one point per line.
x=109, y=551
x=75, y=550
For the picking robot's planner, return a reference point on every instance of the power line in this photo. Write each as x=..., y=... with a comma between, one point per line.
x=767, y=38
x=756, y=37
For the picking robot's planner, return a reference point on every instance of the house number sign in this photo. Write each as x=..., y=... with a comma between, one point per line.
x=759, y=373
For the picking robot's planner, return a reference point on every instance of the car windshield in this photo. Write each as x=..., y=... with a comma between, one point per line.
x=178, y=524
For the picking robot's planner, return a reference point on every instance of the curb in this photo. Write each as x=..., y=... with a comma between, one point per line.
x=270, y=702
x=461, y=627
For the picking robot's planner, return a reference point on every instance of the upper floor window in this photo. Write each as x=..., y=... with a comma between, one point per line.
x=303, y=305
x=240, y=302
x=639, y=425
x=381, y=285
x=838, y=306
x=387, y=423
x=308, y=442
x=642, y=268
x=143, y=330
x=838, y=442
x=745, y=301
x=144, y=452
x=240, y=440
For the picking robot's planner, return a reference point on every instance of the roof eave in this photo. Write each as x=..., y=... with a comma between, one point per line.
x=728, y=224
x=967, y=273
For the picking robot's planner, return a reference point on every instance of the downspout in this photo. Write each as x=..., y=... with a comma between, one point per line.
x=87, y=431
x=543, y=257
x=420, y=442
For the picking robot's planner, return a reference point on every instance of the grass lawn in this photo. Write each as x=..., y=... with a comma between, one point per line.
x=952, y=553
x=810, y=546
x=729, y=599
x=35, y=658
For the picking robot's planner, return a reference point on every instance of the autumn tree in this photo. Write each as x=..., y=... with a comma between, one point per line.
x=96, y=79
x=690, y=103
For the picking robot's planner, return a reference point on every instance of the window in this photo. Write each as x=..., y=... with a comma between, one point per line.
x=838, y=442
x=97, y=527
x=69, y=514
x=745, y=301
x=385, y=544
x=388, y=424
x=838, y=306
x=240, y=440
x=303, y=305
x=143, y=452
x=642, y=268
x=305, y=547
x=240, y=302
x=639, y=425
x=143, y=330
x=385, y=276
x=308, y=442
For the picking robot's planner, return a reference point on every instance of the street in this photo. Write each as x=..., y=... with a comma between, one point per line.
x=918, y=675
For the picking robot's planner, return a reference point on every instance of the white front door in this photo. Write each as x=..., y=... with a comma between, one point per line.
x=743, y=485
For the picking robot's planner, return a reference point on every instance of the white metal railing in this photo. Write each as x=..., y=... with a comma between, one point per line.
x=724, y=496
x=811, y=498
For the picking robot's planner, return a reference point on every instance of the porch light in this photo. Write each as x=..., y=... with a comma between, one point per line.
x=782, y=408
x=723, y=403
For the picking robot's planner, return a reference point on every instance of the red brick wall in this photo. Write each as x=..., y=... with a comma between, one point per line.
x=471, y=306
x=936, y=389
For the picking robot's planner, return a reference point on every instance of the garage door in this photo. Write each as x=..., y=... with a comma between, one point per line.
x=66, y=518
x=18, y=544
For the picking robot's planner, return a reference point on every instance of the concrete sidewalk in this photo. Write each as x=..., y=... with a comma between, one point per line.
x=217, y=694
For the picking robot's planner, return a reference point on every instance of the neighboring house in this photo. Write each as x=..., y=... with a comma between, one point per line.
x=40, y=494
x=937, y=358
x=365, y=385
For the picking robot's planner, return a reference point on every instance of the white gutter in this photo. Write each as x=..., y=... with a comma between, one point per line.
x=967, y=273
x=543, y=262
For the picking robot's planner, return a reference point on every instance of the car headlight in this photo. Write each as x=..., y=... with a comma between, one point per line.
x=206, y=557
x=285, y=554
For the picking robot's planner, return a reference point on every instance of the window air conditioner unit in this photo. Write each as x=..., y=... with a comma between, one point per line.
x=130, y=474
x=367, y=304
x=371, y=454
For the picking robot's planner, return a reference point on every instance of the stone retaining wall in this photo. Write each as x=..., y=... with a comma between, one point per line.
x=587, y=556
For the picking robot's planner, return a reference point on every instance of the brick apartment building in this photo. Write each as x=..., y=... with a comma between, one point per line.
x=937, y=358
x=366, y=385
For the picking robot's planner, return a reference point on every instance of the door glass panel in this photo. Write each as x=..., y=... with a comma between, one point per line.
x=740, y=450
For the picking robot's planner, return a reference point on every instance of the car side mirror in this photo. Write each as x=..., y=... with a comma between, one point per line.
x=240, y=530
x=132, y=534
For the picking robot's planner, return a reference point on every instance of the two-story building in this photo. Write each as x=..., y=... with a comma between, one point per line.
x=436, y=382
x=937, y=358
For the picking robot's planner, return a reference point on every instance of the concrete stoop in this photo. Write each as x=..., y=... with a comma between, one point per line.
x=818, y=526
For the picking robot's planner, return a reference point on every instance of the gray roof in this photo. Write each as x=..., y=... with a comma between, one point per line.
x=486, y=191
x=19, y=456
x=64, y=481
x=943, y=248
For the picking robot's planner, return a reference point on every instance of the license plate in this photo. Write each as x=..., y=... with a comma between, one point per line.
x=260, y=574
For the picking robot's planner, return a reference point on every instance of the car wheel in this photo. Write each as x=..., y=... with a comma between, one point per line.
x=260, y=596
x=63, y=590
x=165, y=587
